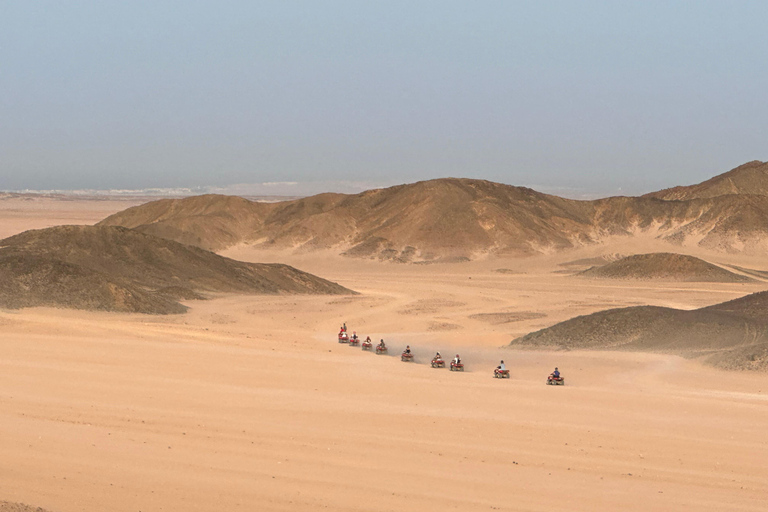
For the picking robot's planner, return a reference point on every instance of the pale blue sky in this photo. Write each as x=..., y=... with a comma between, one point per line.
x=594, y=96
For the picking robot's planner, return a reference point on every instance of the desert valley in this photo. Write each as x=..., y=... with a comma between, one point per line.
x=182, y=354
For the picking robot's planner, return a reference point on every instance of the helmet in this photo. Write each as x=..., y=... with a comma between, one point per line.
x=502, y=360
x=555, y=367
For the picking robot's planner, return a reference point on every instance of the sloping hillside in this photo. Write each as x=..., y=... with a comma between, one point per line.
x=749, y=178
x=211, y=221
x=118, y=269
x=446, y=219
x=425, y=220
x=731, y=335
x=28, y=281
x=7, y=506
x=664, y=266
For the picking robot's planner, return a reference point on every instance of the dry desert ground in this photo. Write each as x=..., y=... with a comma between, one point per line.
x=249, y=403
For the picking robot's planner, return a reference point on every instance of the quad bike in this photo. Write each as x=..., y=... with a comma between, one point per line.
x=457, y=367
x=380, y=350
x=406, y=356
x=343, y=337
x=353, y=342
x=367, y=345
x=438, y=363
x=500, y=374
x=555, y=381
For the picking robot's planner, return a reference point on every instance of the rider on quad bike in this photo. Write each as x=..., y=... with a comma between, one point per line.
x=381, y=344
x=555, y=379
x=501, y=372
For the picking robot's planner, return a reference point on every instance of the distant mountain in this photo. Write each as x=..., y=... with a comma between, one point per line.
x=451, y=219
x=211, y=222
x=732, y=335
x=750, y=178
x=426, y=220
x=118, y=269
x=664, y=266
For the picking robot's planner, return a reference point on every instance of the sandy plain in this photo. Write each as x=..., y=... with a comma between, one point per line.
x=249, y=403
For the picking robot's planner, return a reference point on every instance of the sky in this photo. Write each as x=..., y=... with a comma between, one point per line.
x=580, y=98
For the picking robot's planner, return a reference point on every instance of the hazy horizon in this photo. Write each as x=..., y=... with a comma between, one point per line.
x=309, y=188
x=279, y=190
x=580, y=100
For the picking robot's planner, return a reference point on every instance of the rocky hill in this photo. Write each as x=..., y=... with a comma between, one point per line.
x=750, y=178
x=118, y=269
x=731, y=335
x=7, y=506
x=450, y=219
x=666, y=267
x=211, y=221
x=417, y=221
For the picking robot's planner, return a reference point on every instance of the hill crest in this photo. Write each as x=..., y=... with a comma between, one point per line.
x=664, y=266
x=451, y=219
x=748, y=178
x=114, y=268
x=731, y=335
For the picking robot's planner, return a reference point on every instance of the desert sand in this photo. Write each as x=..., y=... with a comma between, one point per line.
x=249, y=403
x=20, y=212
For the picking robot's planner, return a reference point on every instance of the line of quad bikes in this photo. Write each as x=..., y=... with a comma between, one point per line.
x=437, y=362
